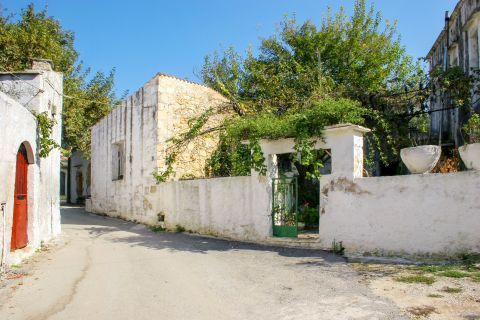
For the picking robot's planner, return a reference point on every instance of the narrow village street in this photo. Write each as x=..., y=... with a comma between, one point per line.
x=105, y=268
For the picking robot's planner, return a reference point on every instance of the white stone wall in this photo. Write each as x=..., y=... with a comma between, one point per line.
x=142, y=125
x=37, y=91
x=233, y=207
x=408, y=215
x=134, y=125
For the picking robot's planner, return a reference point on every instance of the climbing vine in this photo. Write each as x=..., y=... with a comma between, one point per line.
x=239, y=149
x=177, y=143
x=304, y=127
x=45, y=126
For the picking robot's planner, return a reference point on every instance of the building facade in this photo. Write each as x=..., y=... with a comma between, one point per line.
x=79, y=178
x=132, y=143
x=456, y=46
x=29, y=191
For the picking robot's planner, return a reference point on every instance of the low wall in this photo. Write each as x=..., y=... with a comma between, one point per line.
x=233, y=207
x=415, y=215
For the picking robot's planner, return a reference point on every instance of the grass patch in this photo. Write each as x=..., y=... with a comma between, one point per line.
x=435, y=295
x=451, y=290
x=157, y=228
x=454, y=274
x=433, y=269
x=15, y=266
x=475, y=276
x=416, y=279
x=179, y=229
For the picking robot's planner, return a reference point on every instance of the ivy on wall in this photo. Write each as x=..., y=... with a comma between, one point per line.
x=45, y=126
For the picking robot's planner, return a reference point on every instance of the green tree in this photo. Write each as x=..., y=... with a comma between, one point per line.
x=358, y=57
x=86, y=99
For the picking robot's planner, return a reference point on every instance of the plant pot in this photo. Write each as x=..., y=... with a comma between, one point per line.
x=470, y=154
x=421, y=159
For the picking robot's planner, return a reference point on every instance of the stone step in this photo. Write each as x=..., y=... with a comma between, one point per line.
x=294, y=243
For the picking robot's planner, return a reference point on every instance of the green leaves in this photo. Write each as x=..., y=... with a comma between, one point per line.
x=454, y=81
x=46, y=143
x=37, y=35
x=93, y=101
x=472, y=128
x=357, y=57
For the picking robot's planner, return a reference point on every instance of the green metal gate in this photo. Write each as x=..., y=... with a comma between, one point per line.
x=285, y=207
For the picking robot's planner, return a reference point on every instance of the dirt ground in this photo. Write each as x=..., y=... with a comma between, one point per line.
x=107, y=268
x=428, y=292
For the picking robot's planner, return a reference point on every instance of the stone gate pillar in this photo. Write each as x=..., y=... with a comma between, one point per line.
x=346, y=144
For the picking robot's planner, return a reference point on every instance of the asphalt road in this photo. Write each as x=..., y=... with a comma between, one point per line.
x=105, y=268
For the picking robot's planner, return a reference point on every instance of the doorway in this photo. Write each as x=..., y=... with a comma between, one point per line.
x=20, y=210
x=303, y=192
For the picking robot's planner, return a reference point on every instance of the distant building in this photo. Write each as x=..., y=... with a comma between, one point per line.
x=79, y=178
x=132, y=143
x=30, y=185
x=457, y=45
x=75, y=178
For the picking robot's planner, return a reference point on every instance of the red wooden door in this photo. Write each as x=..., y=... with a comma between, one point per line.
x=20, y=214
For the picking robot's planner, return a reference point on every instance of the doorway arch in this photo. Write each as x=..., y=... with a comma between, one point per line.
x=19, y=237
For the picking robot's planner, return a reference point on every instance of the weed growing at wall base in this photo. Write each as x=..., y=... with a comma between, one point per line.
x=179, y=228
x=337, y=247
x=156, y=228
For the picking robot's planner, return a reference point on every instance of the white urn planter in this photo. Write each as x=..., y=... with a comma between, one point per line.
x=470, y=154
x=421, y=159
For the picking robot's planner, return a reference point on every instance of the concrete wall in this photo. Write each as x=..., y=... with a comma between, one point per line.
x=133, y=125
x=36, y=91
x=234, y=207
x=141, y=126
x=414, y=214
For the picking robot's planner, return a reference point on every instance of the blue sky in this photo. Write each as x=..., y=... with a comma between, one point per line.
x=140, y=38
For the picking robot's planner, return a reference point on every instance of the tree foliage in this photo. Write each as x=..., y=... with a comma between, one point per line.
x=303, y=73
x=358, y=57
x=86, y=98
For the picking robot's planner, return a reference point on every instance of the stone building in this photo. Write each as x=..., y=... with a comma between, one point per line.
x=456, y=46
x=75, y=178
x=29, y=191
x=132, y=143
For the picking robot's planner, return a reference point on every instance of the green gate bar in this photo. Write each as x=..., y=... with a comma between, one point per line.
x=285, y=207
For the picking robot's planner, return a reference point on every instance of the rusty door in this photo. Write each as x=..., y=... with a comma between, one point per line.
x=20, y=214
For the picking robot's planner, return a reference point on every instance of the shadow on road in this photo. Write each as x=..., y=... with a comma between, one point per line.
x=139, y=235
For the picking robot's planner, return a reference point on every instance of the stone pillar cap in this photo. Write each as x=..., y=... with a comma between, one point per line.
x=343, y=126
x=41, y=64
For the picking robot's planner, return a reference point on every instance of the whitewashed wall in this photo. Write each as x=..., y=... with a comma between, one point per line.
x=234, y=207
x=143, y=123
x=18, y=125
x=413, y=215
x=134, y=124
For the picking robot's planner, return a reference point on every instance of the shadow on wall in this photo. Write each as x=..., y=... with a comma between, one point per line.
x=138, y=235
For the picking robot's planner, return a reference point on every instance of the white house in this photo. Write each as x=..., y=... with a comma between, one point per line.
x=132, y=143
x=29, y=191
